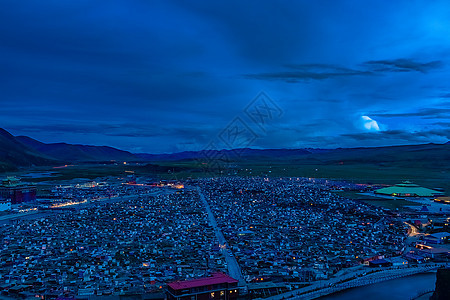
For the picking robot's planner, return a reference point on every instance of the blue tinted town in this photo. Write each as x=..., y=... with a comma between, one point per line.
x=221, y=237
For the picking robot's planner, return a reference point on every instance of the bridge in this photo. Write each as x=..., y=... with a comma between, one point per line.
x=357, y=279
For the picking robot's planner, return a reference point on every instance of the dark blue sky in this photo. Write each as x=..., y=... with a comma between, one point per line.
x=164, y=76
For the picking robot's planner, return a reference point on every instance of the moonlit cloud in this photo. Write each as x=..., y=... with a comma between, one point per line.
x=370, y=124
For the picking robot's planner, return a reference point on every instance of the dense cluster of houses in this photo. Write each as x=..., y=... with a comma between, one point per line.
x=131, y=238
x=293, y=229
x=129, y=246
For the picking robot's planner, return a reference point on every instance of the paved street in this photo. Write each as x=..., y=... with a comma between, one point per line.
x=233, y=267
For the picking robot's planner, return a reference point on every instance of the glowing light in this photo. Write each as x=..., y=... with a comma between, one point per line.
x=370, y=124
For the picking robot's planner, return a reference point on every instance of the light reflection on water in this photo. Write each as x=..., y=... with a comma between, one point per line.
x=397, y=289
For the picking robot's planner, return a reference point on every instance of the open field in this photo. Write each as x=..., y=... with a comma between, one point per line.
x=393, y=204
x=431, y=176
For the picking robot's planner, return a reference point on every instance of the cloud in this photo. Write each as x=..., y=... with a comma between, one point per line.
x=381, y=135
x=317, y=71
x=403, y=65
x=426, y=113
x=393, y=137
x=370, y=124
x=302, y=72
x=442, y=124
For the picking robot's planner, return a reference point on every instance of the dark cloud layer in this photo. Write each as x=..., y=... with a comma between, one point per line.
x=403, y=65
x=308, y=72
x=161, y=76
x=427, y=113
x=324, y=71
x=399, y=136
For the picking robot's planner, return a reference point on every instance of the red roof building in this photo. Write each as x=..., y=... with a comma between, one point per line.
x=12, y=188
x=217, y=286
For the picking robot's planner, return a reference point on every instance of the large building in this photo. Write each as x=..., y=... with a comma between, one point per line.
x=217, y=286
x=18, y=192
x=408, y=189
x=5, y=204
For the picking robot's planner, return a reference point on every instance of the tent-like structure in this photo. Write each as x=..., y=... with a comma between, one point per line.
x=408, y=189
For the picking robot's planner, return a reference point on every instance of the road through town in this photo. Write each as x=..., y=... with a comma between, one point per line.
x=234, y=269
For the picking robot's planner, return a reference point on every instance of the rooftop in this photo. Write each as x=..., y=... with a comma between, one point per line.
x=435, y=251
x=439, y=235
x=215, y=278
x=408, y=189
x=11, y=181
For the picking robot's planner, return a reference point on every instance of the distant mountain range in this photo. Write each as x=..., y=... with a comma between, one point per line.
x=23, y=151
x=427, y=155
x=13, y=154
x=71, y=153
x=235, y=154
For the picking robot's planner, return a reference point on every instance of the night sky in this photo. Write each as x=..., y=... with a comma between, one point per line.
x=167, y=76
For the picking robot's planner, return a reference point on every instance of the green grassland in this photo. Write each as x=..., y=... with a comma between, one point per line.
x=431, y=177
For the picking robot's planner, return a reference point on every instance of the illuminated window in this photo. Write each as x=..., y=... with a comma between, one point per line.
x=222, y=293
x=212, y=295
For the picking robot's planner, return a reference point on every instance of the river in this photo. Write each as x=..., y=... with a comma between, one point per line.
x=403, y=288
